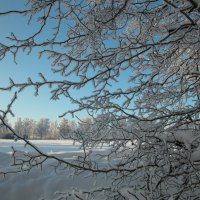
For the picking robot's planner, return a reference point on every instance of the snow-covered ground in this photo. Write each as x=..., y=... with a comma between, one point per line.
x=47, y=146
x=45, y=184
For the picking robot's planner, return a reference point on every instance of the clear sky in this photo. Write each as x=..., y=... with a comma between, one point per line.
x=27, y=105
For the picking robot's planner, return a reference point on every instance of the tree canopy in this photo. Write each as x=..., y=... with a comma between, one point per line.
x=140, y=61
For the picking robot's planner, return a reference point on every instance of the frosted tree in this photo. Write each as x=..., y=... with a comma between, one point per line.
x=65, y=128
x=84, y=126
x=140, y=60
x=42, y=128
x=53, y=130
x=29, y=128
x=25, y=128
x=5, y=132
x=18, y=127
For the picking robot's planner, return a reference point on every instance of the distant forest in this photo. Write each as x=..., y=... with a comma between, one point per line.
x=43, y=128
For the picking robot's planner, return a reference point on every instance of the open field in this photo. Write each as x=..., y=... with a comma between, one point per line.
x=43, y=183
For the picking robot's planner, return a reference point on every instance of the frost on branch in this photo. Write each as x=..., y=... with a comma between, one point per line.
x=140, y=61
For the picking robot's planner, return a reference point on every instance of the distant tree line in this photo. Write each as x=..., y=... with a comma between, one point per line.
x=44, y=128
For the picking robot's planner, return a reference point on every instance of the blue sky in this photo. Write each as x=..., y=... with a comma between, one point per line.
x=27, y=105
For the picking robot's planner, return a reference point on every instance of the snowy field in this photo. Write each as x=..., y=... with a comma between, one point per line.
x=47, y=146
x=45, y=183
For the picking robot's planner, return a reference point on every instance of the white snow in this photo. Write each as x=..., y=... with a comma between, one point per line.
x=45, y=184
x=186, y=137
